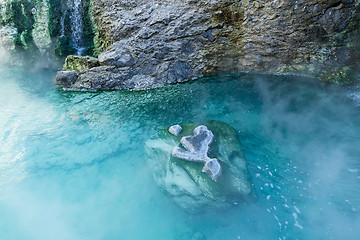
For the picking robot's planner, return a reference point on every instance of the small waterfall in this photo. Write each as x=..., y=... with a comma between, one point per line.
x=62, y=23
x=76, y=25
x=73, y=11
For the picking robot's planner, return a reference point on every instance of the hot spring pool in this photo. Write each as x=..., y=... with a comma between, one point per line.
x=73, y=166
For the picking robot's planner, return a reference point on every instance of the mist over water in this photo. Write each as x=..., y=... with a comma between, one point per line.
x=4, y=58
x=73, y=166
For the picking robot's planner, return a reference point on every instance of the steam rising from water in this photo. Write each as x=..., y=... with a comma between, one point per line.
x=355, y=96
x=4, y=56
x=321, y=127
x=72, y=165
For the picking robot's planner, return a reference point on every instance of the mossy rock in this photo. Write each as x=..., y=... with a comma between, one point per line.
x=80, y=63
x=185, y=182
x=340, y=76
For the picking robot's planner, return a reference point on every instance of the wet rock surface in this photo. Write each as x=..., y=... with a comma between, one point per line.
x=80, y=63
x=185, y=181
x=196, y=150
x=163, y=42
x=66, y=78
x=175, y=130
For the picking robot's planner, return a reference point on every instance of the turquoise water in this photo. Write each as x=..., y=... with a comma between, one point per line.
x=73, y=166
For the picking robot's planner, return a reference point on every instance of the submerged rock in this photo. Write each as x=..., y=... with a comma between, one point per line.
x=185, y=181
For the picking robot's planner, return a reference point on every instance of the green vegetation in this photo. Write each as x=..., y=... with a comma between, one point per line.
x=55, y=14
x=23, y=15
x=88, y=29
x=20, y=15
x=80, y=63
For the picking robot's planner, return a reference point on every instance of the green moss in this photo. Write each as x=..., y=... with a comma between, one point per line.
x=231, y=16
x=22, y=15
x=88, y=28
x=55, y=14
x=102, y=42
x=101, y=39
x=80, y=63
x=5, y=13
x=227, y=19
x=19, y=14
x=340, y=76
x=17, y=40
x=63, y=47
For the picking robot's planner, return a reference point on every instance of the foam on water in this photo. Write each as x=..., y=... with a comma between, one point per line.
x=72, y=164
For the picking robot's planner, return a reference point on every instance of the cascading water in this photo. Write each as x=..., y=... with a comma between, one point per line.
x=74, y=10
x=76, y=25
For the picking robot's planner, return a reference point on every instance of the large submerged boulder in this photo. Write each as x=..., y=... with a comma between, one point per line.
x=185, y=180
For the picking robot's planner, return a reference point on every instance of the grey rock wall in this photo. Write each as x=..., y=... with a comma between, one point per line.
x=145, y=44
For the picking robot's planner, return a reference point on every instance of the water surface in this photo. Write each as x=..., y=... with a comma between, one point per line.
x=73, y=166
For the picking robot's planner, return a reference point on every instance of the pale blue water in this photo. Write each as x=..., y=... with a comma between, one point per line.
x=72, y=164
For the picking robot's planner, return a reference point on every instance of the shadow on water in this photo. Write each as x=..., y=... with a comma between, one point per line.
x=74, y=162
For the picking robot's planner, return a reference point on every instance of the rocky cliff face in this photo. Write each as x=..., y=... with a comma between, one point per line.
x=148, y=43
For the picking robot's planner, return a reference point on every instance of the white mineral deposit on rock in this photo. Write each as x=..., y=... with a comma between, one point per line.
x=175, y=130
x=197, y=147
